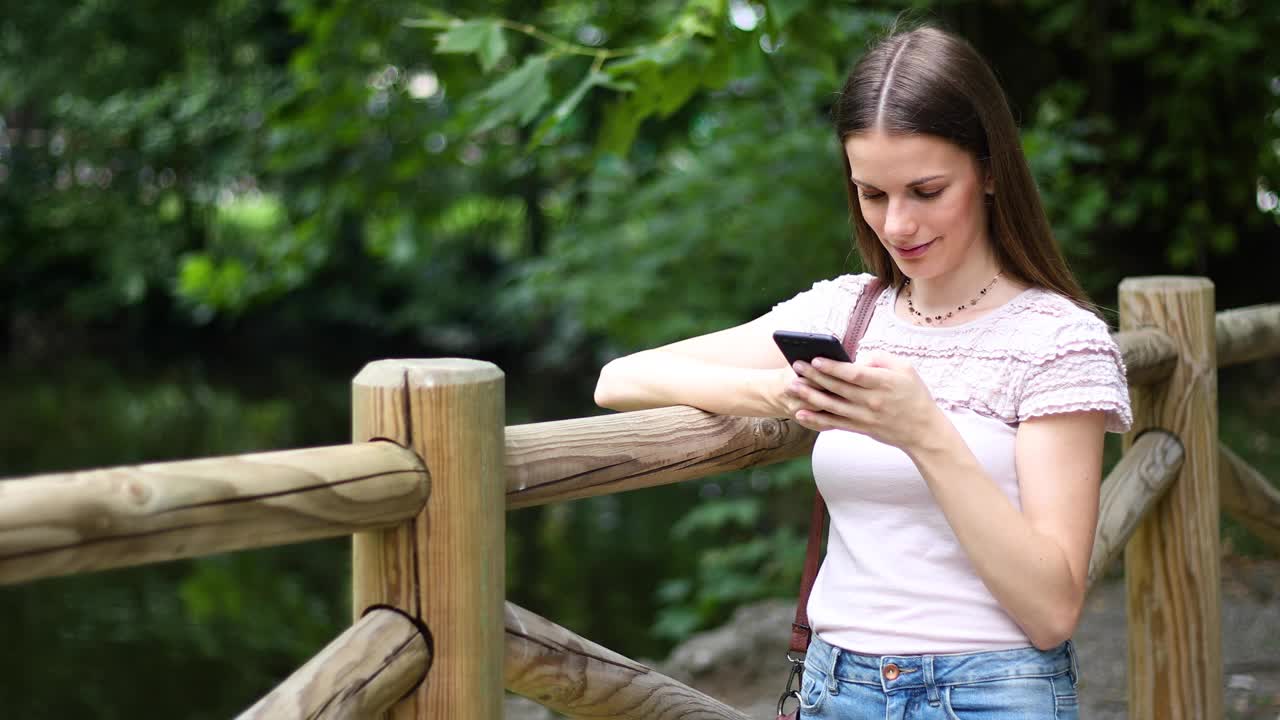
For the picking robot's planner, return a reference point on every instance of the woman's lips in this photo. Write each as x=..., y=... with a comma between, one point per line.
x=915, y=250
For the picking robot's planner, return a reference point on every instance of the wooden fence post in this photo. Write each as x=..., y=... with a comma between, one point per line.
x=1172, y=572
x=447, y=566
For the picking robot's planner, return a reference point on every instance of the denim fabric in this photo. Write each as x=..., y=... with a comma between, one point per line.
x=1019, y=684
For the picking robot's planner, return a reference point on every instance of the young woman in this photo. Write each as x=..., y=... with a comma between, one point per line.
x=960, y=453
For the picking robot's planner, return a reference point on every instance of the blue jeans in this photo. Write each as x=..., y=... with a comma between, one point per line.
x=1019, y=684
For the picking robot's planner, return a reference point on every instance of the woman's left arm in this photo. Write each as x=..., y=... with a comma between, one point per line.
x=1034, y=561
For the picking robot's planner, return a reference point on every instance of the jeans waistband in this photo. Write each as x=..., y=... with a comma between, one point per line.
x=932, y=671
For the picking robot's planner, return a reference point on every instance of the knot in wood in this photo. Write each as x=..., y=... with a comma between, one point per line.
x=770, y=430
x=138, y=493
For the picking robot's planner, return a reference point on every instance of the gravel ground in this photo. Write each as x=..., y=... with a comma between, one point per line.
x=742, y=663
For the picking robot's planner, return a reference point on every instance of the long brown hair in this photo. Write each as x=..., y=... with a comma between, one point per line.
x=928, y=81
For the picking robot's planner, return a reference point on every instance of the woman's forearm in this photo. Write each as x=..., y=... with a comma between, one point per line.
x=1025, y=570
x=657, y=378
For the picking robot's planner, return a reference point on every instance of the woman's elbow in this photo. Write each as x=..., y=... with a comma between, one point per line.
x=1058, y=629
x=607, y=394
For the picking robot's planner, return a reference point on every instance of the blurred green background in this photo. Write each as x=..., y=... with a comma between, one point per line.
x=213, y=213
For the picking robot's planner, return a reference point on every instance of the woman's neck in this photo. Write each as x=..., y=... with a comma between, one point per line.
x=945, y=292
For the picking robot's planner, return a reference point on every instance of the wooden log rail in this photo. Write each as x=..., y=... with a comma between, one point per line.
x=580, y=679
x=361, y=674
x=1149, y=355
x=569, y=459
x=83, y=521
x=1240, y=334
x=1247, y=334
x=1249, y=497
x=1137, y=483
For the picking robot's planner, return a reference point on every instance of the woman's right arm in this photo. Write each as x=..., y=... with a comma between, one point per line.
x=738, y=371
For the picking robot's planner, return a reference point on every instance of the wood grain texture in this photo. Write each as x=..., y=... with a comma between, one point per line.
x=361, y=674
x=569, y=459
x=1149, y=355
x=84, y=521
x=1249, y=498
x=1172, y=572
x=447, y=566
x=580, y=679
x=1247, y=334
x=1137, y=482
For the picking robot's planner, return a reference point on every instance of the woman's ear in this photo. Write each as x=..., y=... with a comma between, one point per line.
x=988, y=177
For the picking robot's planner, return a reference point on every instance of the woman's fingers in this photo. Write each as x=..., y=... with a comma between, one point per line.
x=822, y=401
x=818, y=420
x=796, y=394
x=845, y=379
x=857, y=374
x=828, y=382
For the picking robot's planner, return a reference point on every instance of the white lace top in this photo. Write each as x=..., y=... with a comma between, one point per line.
x=1037, y=354
x=895, y=580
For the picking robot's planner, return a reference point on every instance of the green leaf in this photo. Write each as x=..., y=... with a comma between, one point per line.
x=592, y=79
x=621, y=121
x=676, y=91
x=482, y=37
x=519, y=95
x=666, y=52
x=494, y=49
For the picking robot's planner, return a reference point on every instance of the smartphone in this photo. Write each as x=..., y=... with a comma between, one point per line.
x=807, y=346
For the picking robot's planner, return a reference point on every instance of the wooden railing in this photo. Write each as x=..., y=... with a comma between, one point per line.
x=428, y=553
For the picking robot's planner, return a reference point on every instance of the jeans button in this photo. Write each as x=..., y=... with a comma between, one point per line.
x=890, y=672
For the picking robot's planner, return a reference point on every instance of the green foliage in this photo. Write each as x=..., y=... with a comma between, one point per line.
x=751, y=527
x=115, y=163
x=482, y=37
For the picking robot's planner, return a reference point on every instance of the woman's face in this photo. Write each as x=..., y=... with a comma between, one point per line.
x=923, y=197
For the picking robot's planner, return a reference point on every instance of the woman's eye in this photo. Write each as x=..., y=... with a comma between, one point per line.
x=865, y=195
x=926, y=194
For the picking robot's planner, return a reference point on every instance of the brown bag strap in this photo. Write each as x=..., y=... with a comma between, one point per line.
x=800, y=632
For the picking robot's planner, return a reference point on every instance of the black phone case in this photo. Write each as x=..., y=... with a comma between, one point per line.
x=807, y=346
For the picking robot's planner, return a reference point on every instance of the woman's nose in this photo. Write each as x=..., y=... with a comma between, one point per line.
x=898, y=221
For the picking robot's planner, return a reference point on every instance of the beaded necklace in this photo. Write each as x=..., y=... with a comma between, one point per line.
x=931, y=319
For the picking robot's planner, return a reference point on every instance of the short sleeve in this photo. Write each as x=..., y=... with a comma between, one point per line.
x=823, y=308
x=1083, y=371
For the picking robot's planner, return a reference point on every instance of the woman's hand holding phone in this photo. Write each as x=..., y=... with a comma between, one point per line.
x=881, y=397
x=791, y=393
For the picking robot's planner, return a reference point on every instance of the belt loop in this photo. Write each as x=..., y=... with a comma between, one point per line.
x=833, y=687
x=1075, y=668
x=929, y=684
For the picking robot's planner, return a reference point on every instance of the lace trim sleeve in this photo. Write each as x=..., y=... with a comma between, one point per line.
x=1084, y=372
